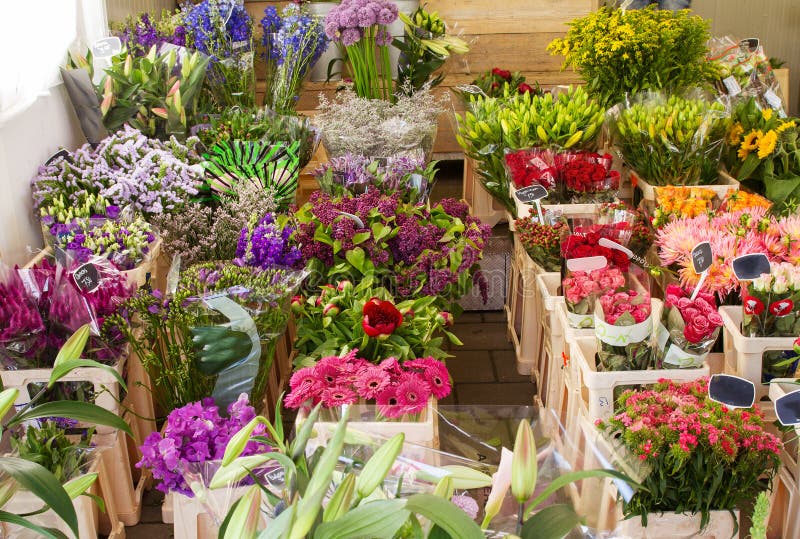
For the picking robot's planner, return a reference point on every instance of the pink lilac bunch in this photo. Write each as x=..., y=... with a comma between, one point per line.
x=617, y=304
x=699, y=315
x=196, y=433
x=348, y=22
x=581, y=285
x=398, y=389
x=692, y=442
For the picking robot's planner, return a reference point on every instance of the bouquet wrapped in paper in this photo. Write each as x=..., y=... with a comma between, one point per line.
x=582, y=287
x=587, y=177
x=623, y=327
x=688, y=329
x=528, y=166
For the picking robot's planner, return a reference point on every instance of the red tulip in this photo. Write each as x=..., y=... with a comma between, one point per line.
x=781, y=307
x=752, y=305
x=381, y=318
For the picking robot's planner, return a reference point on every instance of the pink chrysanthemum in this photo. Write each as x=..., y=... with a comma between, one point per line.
x=338, y=396
x=370, y=381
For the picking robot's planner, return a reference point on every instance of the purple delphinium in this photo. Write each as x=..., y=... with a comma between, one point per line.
x=268, y=245
x=218, y=28
x=196, y=433
x=141, y=34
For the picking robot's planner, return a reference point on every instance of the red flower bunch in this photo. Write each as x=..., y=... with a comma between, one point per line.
x=381, y=318
x=398, y=389
x=585, y=243
x=502, y=73
x=587, y=172
x=542, y=241
x=700, y=315
x=616, y=304
x=530, y=166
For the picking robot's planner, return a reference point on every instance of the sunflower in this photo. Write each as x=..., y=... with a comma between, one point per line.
x=735, y=134
x=766, y=144
x=786, y=125
x=750, y=141
x=766, y=114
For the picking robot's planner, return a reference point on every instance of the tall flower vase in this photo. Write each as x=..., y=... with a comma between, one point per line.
x=319, y=72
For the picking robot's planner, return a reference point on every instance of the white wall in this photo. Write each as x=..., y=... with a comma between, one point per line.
x=26, y=141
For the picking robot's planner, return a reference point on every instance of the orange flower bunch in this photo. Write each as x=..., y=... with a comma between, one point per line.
x=740, y=200
x=679, y=201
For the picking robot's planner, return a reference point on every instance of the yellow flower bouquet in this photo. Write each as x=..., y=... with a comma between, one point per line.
x=763, y=153
x=623, y=52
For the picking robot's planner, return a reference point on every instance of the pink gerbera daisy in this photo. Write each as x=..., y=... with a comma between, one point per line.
x=304, y=376
x=370, y=381
x=327, y=372
x=338, y=396
x=388, y=404
x=303, y=393
x=413, y=394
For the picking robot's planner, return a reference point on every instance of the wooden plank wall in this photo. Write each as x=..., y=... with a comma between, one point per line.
x=511, y=34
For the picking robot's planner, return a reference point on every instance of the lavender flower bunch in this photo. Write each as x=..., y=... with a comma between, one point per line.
x=355, y=174
x=196, y=433
x=127, y=169
x=294, y=41
x=124, y=244
x=140, y=33
x=222, y=30
x=361, y=27
x=266, y=243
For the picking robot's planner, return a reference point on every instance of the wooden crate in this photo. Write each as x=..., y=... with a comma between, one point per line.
x=784, y=513
x=551, y=364
x=482, y=204
x=523, y=311
x=725, y=183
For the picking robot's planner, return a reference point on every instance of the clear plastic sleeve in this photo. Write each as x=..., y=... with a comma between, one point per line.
x=623, y=326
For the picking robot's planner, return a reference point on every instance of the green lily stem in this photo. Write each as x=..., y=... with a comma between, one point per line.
x=520, y=518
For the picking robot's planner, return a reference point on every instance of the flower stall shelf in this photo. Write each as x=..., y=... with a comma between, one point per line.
x=550, y=358
x=482, y=204
x=191, y=515
x=649, y=193
x=779, y=387
x=744, y=355
x=784, y=507
x=122, y=493
x=522, y=310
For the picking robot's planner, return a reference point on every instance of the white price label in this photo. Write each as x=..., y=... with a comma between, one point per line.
x=732, y=85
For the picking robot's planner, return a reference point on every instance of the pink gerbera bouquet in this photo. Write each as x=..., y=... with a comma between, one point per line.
x=398, y=389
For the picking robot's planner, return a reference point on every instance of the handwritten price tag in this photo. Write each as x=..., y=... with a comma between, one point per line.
x=87, y=277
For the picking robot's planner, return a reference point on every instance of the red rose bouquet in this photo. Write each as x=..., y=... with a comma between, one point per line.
x=623, y=328
x=585, y=242
x=533, y=165
x=587, y=177
x=642, y=235
x=493, y=83
x=688, y=329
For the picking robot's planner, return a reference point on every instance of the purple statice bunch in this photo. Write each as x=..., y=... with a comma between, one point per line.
x=267, y=243
x=196, y=433
x=218, y=28
x=127, y=169
x=352, y=20
x=141, y=33
x=293, y=42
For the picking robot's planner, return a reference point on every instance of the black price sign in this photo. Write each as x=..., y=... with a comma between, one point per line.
x=532, y=193
x=752, y=266
x=702, y=257
x=60, y=154
x=750, y=44
x=787, y=408
x=87, y=277
x=732, y=391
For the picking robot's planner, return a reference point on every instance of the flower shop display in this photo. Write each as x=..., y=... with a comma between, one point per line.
x=156, y=93
x=568, y=121
x=355, y=174
x=364, y=317
x=196, y=433
x=670, y=139
x=688, y=329
x=294, y=41
x=424, y=48
x=731, y=234
x=126, y=169
x=215, y=335
x=399, y=389
x=623, y=328
x=222, y=31
x=619, y=52
x=377, y=128
x=677, y=434
x=139, y=33
x=361, y=27
x=763, y=152
x=493, y=82
x=410, y=249
x=43, y=305
x=542, y=242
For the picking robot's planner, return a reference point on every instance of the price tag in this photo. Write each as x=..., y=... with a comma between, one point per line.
x=355, y=218
x=732, y=85
x=60, y=154
x=533, y=193
x=787, y=408
x=702, y=257
x=87, y=277
x=750, y=44
x=752, y=266
x=103, y=51
x=732, y=391
x=773, y=100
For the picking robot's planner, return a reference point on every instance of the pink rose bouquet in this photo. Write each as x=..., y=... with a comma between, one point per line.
x=398, y=389
x=623, y=329
x=581, y=288
x=688, y=329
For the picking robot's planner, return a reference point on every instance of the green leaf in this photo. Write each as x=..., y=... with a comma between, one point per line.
x=341, y=500
x=778, y=190
x=74, y=346
x=465, y=478
x=445, y=515
x=569, y=477
x=65, y=367
x=361, y=237
x=7, y=399
x=552, y=522
x=43, y=485
x=356, y=258
x=11, y=518
x=80, y=411
x=79, y=485
x=378, y=520
x=376, y=468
